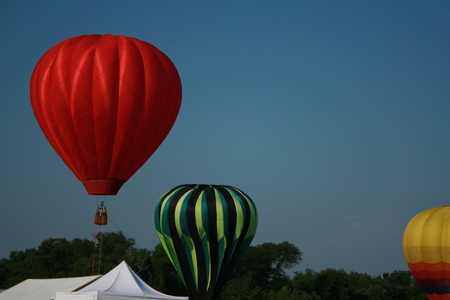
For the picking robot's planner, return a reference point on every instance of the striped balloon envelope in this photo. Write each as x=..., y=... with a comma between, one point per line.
x=426, y=246
x=205, y=230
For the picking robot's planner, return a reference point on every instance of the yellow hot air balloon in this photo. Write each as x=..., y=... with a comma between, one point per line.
x=426, y=246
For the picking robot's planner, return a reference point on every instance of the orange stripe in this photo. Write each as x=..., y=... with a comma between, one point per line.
x=422, y=271
x=431, y=275
x=436, y=267
x=438, y=297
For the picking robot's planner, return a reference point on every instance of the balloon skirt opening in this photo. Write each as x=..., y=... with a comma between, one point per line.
x=103, y=187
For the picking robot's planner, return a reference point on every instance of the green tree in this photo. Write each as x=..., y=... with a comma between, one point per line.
x=366, y=287
x=140, y=260
x=111, y=249
x=332, y=284
x=163, y=276
x=401, y=285
x=242, y=288
x=21, y=265
x=268, y=263
x=261, y=274
x=57, y=257
x=261, y=269
x=304, y=281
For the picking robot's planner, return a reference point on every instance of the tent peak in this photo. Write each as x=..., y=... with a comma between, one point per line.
x=119, y=283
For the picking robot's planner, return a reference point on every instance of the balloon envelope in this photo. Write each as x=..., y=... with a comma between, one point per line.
x=205, y=230
x=105, y=104
x=426, y=246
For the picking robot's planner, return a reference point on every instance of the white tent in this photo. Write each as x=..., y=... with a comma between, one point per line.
x=121, y=283
x=45, y=289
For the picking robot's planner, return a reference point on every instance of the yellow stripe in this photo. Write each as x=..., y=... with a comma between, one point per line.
x=427, y=237
x=168, y=246
x=239, y=215
x=198, y=215
x=177, y=214
x=201, y=232
x=190, y=243
x=220, y=218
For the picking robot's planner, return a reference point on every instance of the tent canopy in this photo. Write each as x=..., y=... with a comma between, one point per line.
x=120, y=283
x=45, y=289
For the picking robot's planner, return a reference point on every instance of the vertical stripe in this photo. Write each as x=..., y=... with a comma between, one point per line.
x=205, y=229
x=426, y=246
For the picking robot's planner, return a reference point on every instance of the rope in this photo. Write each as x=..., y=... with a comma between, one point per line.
x=138, y=262
x=93, y=256
x=111, y=222
x=96, y=200
x=100, y=253
x=103, y=199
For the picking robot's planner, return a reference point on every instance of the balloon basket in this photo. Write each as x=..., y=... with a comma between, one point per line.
x=101, y=215
x=101, y=220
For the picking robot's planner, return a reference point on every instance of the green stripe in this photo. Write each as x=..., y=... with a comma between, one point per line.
x=201, y=222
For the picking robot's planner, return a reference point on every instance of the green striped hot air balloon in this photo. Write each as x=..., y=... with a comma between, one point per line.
x=205, y=230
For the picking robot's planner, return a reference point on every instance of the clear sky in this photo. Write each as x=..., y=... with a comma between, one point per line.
x=333, y=116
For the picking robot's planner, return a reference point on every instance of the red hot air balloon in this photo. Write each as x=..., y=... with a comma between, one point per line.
x=105, y=104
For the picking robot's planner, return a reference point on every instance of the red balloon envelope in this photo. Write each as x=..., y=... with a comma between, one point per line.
x=105, y=104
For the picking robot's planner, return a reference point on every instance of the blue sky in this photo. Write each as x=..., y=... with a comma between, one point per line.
x=333, y=116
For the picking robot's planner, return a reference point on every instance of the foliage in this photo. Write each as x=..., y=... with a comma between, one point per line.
x=268, y=263
x=163, y=277
x=337, y=284
x=57, y=257
x=260, y=275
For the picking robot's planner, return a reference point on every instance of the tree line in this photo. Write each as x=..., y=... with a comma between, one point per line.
x=260, y=275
